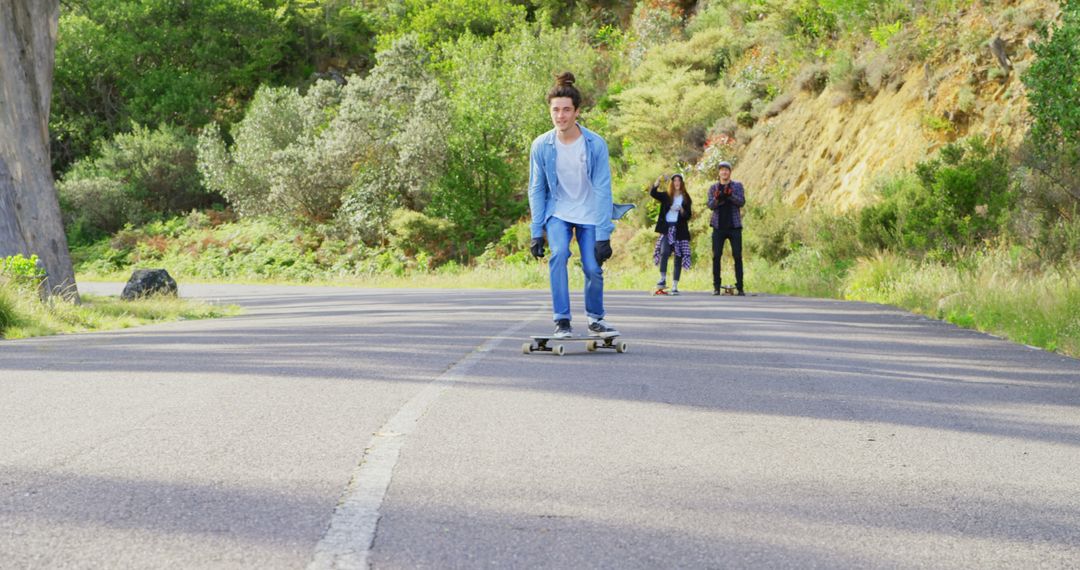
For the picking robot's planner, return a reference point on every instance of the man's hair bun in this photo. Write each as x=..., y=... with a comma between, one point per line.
x=565, y=79
x=564, y=87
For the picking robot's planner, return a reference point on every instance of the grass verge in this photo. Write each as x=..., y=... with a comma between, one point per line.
x=23, y=315
x=990, y=292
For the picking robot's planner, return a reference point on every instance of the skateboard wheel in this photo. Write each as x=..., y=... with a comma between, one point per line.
x=621, y=347
x=526, y=348
x=560, y=349
x=590, y=346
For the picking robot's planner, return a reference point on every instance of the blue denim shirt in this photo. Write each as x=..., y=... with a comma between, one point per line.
x=543, y=181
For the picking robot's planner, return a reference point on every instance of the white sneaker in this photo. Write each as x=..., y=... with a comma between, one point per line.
x=562, y=329
x=601, y=329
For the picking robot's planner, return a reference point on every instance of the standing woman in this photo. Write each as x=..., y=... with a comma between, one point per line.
x=674, y=228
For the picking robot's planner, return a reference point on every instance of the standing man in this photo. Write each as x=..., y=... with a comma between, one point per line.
x=726, y=198
x=570, y=196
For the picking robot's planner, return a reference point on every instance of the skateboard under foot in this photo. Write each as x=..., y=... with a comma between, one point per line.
x=540, y=343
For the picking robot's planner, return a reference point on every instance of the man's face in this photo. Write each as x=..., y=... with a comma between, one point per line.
x=725, y=175
x=563, y=113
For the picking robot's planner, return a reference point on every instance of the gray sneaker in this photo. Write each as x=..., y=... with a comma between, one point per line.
x=601, y=329
x=562, y=329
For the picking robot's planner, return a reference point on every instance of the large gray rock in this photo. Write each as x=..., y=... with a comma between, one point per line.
x=146, y=282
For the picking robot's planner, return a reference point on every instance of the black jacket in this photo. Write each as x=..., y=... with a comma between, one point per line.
x=682, y=227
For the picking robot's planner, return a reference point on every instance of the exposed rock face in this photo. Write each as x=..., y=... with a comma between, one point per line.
x=828, y=151
x=145, y=282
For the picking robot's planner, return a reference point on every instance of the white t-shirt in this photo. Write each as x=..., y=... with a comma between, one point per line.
x=573, y=195
x=673, y=213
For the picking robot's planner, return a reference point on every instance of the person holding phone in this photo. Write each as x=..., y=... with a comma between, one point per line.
x=726, y=199
x=673, y=225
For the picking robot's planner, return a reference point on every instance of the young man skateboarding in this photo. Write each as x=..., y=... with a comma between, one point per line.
x=726, y=198
x=570, y=197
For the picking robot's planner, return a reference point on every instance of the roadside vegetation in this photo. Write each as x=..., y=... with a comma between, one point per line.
x=24, y=314
x=385, y=144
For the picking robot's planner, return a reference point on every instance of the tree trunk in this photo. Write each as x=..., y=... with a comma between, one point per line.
x=30, y=220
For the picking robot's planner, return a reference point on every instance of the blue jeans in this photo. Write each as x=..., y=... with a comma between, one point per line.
x=558, y=237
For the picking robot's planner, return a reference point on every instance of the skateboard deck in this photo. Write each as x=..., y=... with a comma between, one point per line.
x=547, y=343
x=664, y=291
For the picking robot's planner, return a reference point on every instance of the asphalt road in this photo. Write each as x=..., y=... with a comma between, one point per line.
x=756, y=432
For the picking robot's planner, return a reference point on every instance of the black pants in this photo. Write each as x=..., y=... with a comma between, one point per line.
x=666, y=249
x=718, y=237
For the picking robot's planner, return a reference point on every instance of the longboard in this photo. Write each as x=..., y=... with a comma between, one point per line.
x=592, y=344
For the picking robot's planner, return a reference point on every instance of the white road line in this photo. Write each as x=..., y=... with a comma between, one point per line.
x=347, y=541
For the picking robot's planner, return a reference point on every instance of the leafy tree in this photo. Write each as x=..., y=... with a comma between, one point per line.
x=436, y=22
x=352, y=153
x=655, y=22
x=498, y=107
x=327, y=34
x=399, y=117
x=658, y=115
x=154, y=61
x=273, y=167
x=1053, y=83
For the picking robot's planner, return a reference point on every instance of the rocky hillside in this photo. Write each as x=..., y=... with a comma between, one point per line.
x=827, y=147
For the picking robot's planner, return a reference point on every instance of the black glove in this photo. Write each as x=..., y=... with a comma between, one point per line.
x=603, y=251
x=537, y=247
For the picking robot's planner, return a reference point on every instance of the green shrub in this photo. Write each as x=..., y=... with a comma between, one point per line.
x=1048, y=186
x=811, y=20
x=813, y=78
x=879, y=224
x=773, y=232
x=974, y=183
x=881, y=34
x=848, y=77
x=136, y=177
x=836, y=236
x=959, y=199
x=22, y=270
x=9, y=311
x=414, y=233
x=95, y=207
